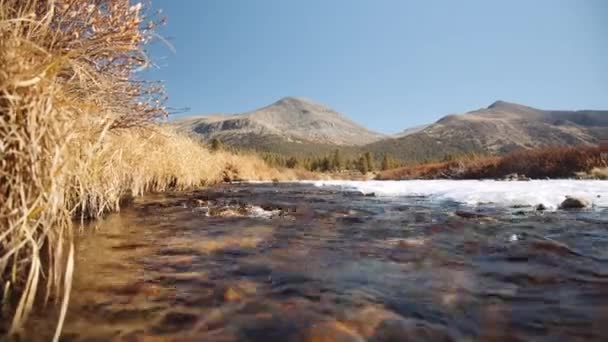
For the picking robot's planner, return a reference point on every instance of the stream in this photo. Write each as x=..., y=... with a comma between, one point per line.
x=324, y=262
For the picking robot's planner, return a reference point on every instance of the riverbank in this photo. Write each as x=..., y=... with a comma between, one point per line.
x=552, y=163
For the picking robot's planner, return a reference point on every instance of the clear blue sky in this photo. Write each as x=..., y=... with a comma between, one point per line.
x=387, y=64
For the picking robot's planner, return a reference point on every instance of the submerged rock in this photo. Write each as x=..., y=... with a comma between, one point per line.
x=378, y=324
x=332, y=332
x=239, y=291
x=236, y=209
x=174, y=322
x=574, y=203
x=410, y=330
x=477, y=216
x=469, y=215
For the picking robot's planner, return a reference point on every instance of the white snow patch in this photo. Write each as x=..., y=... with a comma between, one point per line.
x=550, y=193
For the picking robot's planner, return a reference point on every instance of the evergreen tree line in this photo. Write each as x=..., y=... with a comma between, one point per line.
x=334, y=162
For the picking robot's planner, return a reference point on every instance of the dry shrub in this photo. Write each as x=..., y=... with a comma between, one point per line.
x=456, y=169
x=599, y=173
x=552, y=162
x=78, y=135
x=66, y=81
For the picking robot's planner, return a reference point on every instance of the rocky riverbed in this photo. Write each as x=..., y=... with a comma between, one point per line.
x=299, y=262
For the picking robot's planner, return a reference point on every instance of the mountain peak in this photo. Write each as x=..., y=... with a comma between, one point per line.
x=293, y=119
x=296, y=101
x=500, y=104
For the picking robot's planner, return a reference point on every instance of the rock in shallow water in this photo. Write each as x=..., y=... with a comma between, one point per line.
x=574, y=203
x=332, y=332
x=174, y=322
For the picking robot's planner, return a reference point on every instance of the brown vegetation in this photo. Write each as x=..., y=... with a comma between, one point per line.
x=78, y=134
x=553, y=162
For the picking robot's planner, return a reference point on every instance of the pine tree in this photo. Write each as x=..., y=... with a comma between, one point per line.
x=362, y=165
x=337, y=162
x=386, y=163
x=292, y=163
x=369, y=161
x=325, y=164
x=348, y=165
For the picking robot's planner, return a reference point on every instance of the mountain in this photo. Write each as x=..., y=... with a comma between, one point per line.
x=499, y=128
x=289, y=124
x=297, y=126
x=410, y=130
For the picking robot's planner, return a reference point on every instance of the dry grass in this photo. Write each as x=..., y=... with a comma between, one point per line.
x=599, y=173
x=595, y=173
x=438, y=170
x=154, y=159
x=66, y=80
x=553, y=162
x=77, y=135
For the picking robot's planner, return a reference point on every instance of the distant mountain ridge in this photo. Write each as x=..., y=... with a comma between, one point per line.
x=293, y=119
x=300, y=126
x=505, y=126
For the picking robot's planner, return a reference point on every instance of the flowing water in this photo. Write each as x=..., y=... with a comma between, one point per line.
x=298, y=262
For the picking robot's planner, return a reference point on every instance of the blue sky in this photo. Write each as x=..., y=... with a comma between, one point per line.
x=387, y=64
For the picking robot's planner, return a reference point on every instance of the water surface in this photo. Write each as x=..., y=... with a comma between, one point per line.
x=323, y=264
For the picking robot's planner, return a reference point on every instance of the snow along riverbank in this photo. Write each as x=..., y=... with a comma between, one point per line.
x=550, y=193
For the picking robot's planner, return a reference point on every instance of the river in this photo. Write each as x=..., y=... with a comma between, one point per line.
x=344, y=261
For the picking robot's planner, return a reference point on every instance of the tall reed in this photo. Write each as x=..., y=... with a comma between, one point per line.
x=68, y=90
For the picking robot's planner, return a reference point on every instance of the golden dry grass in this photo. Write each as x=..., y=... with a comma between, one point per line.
x=595, y=173
x=78, y=134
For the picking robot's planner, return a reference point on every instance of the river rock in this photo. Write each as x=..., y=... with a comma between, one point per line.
x=239, y=291
x=410, y=330
x=574, y=203
x=516, y=177
x=378, y=324
x=232, y=295
x=470, y=215
x=332, y=332
x=175, y=322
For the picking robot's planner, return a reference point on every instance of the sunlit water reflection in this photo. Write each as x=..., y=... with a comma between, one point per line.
x=337, y=266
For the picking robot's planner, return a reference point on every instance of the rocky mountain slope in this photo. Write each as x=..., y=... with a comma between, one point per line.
x=499, y=128
x=295, y=126
x=290, y=120
x=505, y=126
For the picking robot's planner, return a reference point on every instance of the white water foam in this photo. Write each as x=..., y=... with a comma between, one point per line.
x=550, y=193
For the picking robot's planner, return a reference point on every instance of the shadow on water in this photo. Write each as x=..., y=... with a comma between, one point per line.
x=336, y=267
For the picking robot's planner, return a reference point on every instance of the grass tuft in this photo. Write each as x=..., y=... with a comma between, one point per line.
x=79, y=133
